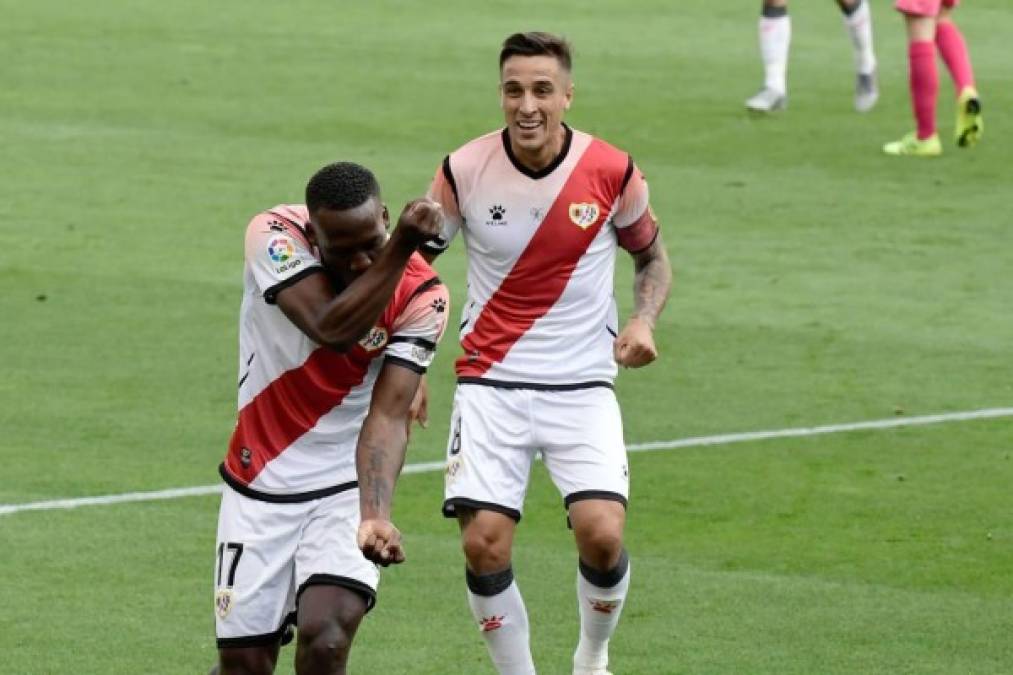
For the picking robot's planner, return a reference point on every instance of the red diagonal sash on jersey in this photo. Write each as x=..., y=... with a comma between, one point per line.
x=541, y=273
x=289, y=407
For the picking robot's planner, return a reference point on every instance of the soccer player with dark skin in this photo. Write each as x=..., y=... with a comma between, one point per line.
x=536, y=90
x=358, y=256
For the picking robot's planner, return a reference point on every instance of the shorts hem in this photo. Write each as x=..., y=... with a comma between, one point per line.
x=265, y=640
x=584, y=495
x=450, y=507
x=367, y=592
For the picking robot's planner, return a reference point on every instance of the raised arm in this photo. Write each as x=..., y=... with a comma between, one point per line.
x=339, y=320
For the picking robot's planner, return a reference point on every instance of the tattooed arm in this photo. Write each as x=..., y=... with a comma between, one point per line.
x=635, y=345
x=379, y=457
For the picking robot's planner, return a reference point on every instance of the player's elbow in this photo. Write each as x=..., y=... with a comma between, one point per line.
x=337, y=340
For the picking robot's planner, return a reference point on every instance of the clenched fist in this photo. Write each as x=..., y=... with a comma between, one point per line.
x=380, y=542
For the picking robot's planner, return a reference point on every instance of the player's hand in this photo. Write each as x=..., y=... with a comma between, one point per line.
x=380, y=542
x=635, y=345
x=419, y=410
x=420, y=221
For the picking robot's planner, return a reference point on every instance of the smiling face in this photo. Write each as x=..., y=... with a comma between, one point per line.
x=535, y=92
x=349, y=240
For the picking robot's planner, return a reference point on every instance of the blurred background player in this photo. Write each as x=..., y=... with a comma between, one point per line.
x=930, y=26
x=775, y=38
x=338, y=322
x=544, y=209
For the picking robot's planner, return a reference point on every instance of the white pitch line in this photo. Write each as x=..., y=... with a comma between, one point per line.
x=428, y=467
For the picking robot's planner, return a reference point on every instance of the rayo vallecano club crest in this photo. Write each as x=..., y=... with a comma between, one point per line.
x=584, y=215
x=223, y=602
x=375, y=339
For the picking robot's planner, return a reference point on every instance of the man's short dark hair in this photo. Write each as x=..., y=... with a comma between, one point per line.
x=340, y=186
x=536, y=43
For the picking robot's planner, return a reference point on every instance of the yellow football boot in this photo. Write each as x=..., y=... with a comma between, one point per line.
x=970, y=125
x=910, y=145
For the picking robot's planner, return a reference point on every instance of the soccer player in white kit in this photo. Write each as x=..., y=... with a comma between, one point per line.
x=338, y=322
x=542, y=209
x=774, y=30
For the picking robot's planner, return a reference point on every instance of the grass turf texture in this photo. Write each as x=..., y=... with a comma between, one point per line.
x=817, y=281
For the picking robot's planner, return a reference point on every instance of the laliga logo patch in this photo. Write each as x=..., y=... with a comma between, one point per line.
x=584, y=215
x=375, y=339
x=223, y=603
x=280, y=249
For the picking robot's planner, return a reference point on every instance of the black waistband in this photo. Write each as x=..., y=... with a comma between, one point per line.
x=539, y=386
x=290, y=498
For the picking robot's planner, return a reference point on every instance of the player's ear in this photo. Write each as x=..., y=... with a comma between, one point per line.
x=569, y=95
x=311, y=234
x=386, y=218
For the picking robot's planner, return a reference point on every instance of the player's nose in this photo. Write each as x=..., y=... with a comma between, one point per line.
x=528, y=103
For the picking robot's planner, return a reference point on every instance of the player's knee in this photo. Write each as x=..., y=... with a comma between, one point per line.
x=324, y=641
x=485, y=550
x=600, y=547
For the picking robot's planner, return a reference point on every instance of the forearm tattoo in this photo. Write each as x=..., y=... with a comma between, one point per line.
x=651, y=283
x=375, y=485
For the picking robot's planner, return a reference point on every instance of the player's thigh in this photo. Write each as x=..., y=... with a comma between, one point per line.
x=328, y=553
x=253, y=570
x=581, y=436
x=330, y=614
x=490, y=450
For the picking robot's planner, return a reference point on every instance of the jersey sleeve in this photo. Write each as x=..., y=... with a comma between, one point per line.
x=635, y=224
x=277, y=254
x=418, y=329
x=444, y=190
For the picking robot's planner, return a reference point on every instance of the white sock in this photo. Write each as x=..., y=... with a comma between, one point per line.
x=775, y=38
x=601, y=599
x=498, y=608
x=859, y=26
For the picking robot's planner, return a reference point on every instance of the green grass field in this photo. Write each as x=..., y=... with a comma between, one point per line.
x=817, y=282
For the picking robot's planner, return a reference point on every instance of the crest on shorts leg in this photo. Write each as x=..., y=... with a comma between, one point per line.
x=223, y=602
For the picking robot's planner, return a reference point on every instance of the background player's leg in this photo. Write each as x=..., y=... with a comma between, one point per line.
x=259, y=660
x=327, y=619
x=493, y=595
x=775, y=38
x=953, y=49
x=858, y=23
x=603, y=578
x=924, y=84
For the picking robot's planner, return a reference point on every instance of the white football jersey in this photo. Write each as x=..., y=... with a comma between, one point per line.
x=541, y=250
x=301, y=405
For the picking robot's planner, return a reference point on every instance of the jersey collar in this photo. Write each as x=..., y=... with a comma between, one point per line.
x=542, y=173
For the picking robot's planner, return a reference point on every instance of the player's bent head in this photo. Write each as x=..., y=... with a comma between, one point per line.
x=537, y=43
x=348, y=221
x=340, y=186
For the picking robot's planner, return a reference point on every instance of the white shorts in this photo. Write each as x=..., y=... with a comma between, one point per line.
x=268, y=553
x=495, y=433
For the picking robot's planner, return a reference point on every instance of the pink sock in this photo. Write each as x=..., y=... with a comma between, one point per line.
x=953, y=49
x=924, y=82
